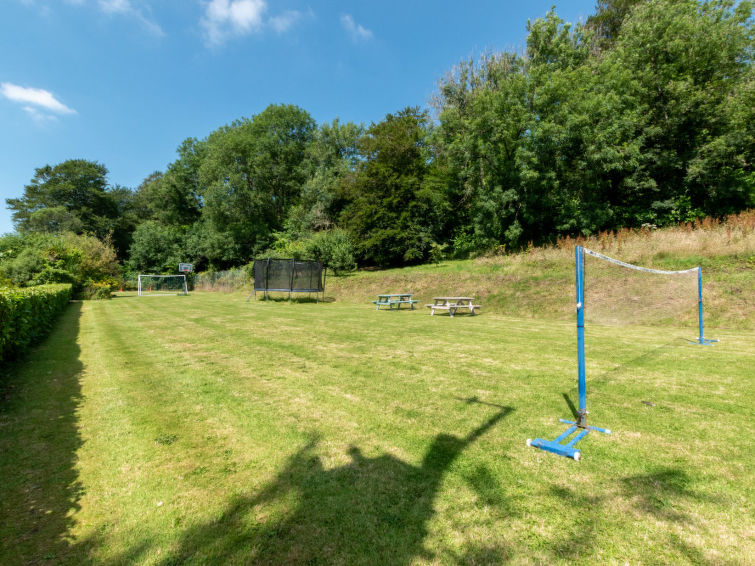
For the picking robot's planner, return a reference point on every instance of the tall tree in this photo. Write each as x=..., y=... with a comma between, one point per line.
x=129, y=214
x=684, y=69
x=174, y=198
x=394, y=212
x=332, y=155
x=565, y=162
x=252, y=174
x=70, y=196
x=655, y=127
x=484, y=110
x=607, y=20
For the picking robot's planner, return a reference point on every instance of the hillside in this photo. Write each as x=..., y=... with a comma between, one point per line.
x=539, y=282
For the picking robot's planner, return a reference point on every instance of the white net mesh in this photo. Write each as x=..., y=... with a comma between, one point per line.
x=618, y=294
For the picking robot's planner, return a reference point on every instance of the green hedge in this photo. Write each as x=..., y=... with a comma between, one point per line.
x=27, y=314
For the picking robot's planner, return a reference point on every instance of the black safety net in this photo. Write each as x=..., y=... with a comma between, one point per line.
x=295, y=276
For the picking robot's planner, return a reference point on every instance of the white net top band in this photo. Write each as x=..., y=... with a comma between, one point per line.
x=637, y=267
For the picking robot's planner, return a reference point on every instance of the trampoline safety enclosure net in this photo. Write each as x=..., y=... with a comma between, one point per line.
x=288, y=276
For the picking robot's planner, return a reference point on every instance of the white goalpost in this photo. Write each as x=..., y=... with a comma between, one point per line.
x=162, y=285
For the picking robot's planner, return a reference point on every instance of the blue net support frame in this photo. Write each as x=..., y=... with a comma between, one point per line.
x=701, y=340
x=565, y=444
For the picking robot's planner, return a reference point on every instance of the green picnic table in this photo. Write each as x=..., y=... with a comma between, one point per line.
x=398, y=299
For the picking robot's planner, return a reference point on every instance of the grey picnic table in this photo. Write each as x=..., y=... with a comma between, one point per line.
x=397, y=299
x=453, y=304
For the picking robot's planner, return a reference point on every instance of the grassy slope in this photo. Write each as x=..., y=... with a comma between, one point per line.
x=536, y=283
x=194, y=429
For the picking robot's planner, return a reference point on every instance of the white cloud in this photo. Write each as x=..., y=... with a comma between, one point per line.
x=151, y=26
x=285, y=21
x=357, y=31
x=226, y=18
x=42, y=9
x=127, y=8
x=139, y=12
x=116, y=6
x=38, y=116
x=33, y=99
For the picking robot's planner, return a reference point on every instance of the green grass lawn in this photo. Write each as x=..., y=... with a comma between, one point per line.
x=207, y=430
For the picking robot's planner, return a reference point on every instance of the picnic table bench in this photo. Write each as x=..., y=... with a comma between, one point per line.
x=397, y=299
x=453, y=304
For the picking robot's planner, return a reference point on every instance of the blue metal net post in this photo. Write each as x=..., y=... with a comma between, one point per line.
x=701, y=340
x=565, y=444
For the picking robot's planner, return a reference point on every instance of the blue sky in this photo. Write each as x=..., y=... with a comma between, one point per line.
x=123, y=82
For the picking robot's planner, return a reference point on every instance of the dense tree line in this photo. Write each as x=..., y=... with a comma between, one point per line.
x=643, y=115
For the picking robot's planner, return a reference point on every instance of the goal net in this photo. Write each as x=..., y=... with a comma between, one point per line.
x=162, y=285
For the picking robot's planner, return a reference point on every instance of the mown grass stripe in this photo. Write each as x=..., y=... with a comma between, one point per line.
x=210, y=430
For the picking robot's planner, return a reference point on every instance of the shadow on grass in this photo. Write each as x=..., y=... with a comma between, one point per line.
x=665, y=493
x=579, y=536
x=369, y=511
x=661, y=494
x=293, y=299
x=571, y=406
x=622, y=367
x=40, y=486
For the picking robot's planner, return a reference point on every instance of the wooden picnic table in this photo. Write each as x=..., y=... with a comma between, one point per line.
x=453, y=304
x=397, y=299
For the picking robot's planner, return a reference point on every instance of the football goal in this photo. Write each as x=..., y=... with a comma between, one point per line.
x=162, y=285
x=613, y=292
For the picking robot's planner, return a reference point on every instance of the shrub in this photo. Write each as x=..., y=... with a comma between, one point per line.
x=38, y=259
x=333, y=248
x=98, y=289
x=96, y=260
x=26, y=315
x=21, y=267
